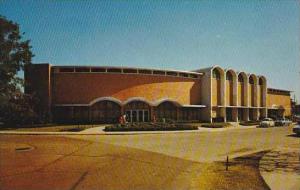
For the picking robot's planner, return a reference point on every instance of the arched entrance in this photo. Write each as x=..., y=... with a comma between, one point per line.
x=137, y=111
x=166, y=110
x=105, y=111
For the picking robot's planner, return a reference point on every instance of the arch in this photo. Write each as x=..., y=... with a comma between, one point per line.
x=105, y=111
x=231, y=87
x=252, y=79
x=242, y=77
x=253, y=90
x=166, y=110
x=217, y=86
x=217, y=72
x=112, y=99
x=137, y=104
x=262, y=80
x=132, y=99
x=231, y=75
x=158, y=102
x=242, y=89
x=137, y=110
x=262, y=91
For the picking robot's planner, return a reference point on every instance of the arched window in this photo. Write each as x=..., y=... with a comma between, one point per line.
x=229, y=76
x=137, y=111
x=241, y=78
x=261, y=81
x=105, y=111
x=251, y=80
x=216, y=74
x=166, y=110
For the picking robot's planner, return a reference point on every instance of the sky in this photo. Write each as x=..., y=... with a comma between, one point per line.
x=260, y=37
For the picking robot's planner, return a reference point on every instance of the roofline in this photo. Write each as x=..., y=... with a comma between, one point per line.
x=116, y=67
x=279, y=89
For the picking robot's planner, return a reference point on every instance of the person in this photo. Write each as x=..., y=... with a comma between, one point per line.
x=125, y=118
x=154, y=119
x=121, y=119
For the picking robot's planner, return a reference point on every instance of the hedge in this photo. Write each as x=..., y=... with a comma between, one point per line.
x=149, y=127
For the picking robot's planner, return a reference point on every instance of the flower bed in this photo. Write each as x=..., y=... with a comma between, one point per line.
x=149, y=127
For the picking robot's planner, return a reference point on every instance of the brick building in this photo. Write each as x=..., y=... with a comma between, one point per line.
x=102, y=94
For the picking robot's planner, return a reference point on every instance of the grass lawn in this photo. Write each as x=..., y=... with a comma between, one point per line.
x=243, y=173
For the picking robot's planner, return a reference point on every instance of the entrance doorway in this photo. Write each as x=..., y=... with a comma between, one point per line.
x=229, y=114
x=137, y=115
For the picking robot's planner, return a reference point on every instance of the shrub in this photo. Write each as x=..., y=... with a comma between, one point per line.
x=149, y=127
x=215, y=125
x=249, y=123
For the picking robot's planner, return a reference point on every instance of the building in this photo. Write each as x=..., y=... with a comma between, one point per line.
x=103, y=94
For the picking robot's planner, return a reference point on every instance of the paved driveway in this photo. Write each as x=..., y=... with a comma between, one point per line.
x=205, y=146
x=149, y=161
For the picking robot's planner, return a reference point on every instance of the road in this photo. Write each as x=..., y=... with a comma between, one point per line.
x=151, y=161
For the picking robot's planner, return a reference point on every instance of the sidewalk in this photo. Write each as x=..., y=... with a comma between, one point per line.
x=100, y=131
x=280, y=169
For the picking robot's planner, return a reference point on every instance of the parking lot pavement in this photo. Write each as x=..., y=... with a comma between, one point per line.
x=50, y=162
x=144, y=161
x=204, y=146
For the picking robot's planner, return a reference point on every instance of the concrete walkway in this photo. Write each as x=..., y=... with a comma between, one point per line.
x=280, y=168
x=100, y=131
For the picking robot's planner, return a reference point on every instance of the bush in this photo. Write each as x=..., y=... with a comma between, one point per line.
x=215, y=125
x=245, y=123
x=149, y=127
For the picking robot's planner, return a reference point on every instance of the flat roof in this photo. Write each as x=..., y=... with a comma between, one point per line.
x=133, y=68
x=279, y=90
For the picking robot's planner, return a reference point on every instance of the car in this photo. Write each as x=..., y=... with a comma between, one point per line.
x=296, y=129
x=267, y=122
x=282, y=122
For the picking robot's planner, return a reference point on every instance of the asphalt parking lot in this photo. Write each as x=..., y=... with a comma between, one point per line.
x=147, y=161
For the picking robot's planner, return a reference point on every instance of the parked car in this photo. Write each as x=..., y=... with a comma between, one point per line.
x=296, y=129
x=283, y=122
x=267, y=122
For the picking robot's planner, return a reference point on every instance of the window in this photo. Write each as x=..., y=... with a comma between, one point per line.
x=142, y=71
x=129, y=71
x=113, y=70
x=229, y=76
x=183, y=75
x=159, y=72
x=100, y=70
x=193, y=76
x=241, y=79
x=216, y=74
x=82, y=69
x=251, y=80
x=260, y=82
x=170, y=73
x=66, y=70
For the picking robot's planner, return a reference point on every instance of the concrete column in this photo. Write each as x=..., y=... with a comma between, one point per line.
x=151, y=113
x=223, y=113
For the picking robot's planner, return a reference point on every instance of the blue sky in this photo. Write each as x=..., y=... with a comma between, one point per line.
x=260, y=37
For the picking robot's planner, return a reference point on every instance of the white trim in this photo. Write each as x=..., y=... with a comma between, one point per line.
x=105, y=98
x=194, y=106
x=158, y=102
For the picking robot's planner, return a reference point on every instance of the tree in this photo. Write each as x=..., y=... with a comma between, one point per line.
x=15, y=106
